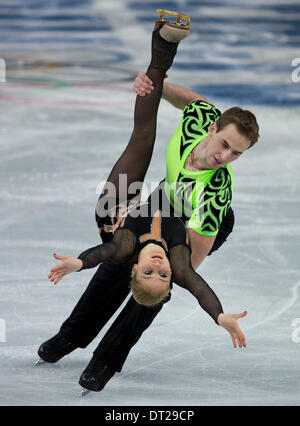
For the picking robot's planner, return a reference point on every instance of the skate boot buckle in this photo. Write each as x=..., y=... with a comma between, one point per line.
x=173, y=32
x=179, y=17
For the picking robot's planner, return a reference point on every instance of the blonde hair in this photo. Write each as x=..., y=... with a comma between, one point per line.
x=145, y=296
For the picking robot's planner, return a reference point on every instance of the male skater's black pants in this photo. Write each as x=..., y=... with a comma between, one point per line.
x=105, y=293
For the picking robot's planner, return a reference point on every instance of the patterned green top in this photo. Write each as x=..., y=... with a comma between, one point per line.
x=202, y=198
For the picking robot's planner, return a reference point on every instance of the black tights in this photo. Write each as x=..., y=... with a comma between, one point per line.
x=136, y=157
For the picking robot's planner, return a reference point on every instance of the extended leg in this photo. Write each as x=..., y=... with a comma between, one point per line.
x=136, y=157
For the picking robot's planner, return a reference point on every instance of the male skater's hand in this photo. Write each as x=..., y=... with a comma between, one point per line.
x=230, y=323
x=143, y=85
x=67, y=265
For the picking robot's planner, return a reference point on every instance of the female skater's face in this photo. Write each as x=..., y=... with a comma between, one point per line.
x=225, y=146
x=153, y=267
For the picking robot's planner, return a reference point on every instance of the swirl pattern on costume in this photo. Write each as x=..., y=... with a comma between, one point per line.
x=184, y=189
x=198, y=116
x=217, y=199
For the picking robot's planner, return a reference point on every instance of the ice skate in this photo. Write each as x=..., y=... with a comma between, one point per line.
x=54, y=349
x=165, y=39
x=173, y=32
x=84, y=392
x=95, y=376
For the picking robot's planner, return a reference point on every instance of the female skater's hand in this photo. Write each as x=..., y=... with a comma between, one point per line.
x=230, y=323
x=67, y=265
x=143, y=85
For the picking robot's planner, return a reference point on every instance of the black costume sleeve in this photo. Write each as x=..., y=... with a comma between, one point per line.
x=184, y=275
x=119, y=249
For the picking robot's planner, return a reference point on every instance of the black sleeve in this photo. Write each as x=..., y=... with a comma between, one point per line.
x=117, y=250
x=184, y=275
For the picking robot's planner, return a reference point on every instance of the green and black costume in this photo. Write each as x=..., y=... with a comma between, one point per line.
x=201, y=197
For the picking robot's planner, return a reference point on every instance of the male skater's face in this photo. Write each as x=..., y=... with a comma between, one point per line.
x=225, y=146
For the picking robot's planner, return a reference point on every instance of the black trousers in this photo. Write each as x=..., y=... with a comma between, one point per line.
x=105, y=293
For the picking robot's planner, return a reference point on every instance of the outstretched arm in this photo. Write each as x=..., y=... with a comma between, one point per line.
x=67, y=265
x=117, y=250
x=87, y=259
x=186, y=277
x=177, y=96
x=230, y=323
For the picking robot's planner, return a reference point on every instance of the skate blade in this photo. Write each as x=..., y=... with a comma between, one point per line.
x=179, y=16
x=40, y=361
x=84, y=392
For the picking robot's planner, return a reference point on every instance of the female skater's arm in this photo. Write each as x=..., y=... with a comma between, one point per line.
x=184, y=275
x=117, y=250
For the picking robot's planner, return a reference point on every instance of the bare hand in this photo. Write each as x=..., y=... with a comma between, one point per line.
x=230, y=323
x=67, y=265
x=143, y=85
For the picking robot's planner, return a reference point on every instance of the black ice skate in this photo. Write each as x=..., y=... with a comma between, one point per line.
x=95, y=376
x=55, y=348
x=166, y=37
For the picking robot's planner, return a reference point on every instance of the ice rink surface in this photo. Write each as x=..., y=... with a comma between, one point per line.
x=66, y=115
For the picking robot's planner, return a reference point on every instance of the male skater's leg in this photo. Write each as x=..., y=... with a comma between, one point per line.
x=124, y=333
x=105, y=293
x=112, y=351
